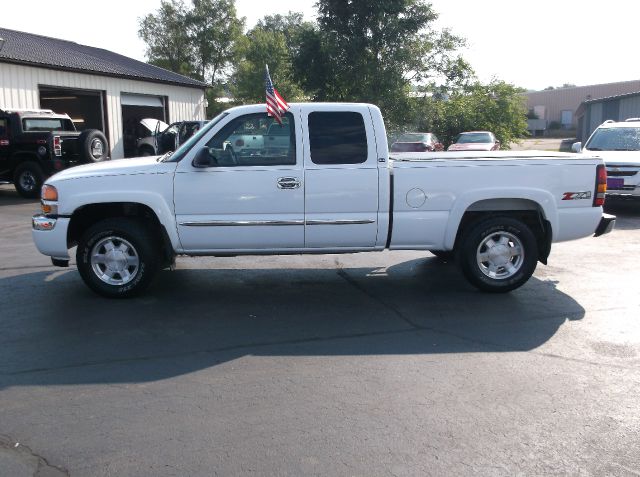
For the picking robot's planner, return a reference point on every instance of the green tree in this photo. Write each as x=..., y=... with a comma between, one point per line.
x=262, y=46
x=197, y=41
x=213, y=29
x=168, y=43
x=498, y=107
x=374, y=51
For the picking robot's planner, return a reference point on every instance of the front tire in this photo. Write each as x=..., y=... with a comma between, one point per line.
x=117, y=257
x=498, y=254
x=28, y=179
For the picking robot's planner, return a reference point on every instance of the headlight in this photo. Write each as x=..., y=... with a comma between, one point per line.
x=49, y=200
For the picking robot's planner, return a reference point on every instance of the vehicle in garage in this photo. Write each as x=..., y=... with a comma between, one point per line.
x=164, y=138
x=335, y=190
x=35, y=144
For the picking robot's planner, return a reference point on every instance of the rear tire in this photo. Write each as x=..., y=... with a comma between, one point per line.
x=498, y=255
x=118, y=258
x=27, y=179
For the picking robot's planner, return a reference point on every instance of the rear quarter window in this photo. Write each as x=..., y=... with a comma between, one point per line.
x=337, y=138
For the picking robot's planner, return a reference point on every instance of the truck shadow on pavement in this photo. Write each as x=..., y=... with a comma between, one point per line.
x=55, y=331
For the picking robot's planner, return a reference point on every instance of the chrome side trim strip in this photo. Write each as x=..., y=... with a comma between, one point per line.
x=340, y=222
x=241, y=223
x=244, y=223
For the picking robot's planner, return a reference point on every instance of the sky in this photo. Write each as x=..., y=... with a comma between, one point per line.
x=532, y=44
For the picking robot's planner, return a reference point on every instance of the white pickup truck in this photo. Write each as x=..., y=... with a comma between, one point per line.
x=334, y=189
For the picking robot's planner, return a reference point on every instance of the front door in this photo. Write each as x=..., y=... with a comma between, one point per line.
x=251, y=198
x=341, y=174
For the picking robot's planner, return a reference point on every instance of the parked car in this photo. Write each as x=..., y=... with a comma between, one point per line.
x=163, y=137
x=37, y=143
x=475, y=141
x=417, y=142
x=336, y=190
x=618, y=144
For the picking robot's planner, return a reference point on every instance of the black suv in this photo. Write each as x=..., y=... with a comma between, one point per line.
x=35, y=144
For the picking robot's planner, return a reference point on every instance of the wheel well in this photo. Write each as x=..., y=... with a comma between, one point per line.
x=88, y=215
x=527, y=211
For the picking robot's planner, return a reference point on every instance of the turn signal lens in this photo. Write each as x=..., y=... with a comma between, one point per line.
x=49, y=192
x=601, y=186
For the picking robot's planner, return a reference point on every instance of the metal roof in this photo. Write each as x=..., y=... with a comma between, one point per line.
x=36, y=50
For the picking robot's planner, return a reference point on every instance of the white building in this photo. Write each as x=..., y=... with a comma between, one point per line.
x=99, y=89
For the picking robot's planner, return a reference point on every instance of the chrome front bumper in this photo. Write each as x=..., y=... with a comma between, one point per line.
x=50, y=236
x=42, y=222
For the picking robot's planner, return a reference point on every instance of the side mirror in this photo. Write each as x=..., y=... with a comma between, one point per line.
x=203, y=159
x=576, y=147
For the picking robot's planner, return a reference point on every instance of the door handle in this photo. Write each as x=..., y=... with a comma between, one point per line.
x=288, y=183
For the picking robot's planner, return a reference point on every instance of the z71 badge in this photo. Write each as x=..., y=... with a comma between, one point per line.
x=576, y=195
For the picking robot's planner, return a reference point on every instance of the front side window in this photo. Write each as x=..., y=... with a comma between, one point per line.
x=47, y=124
x=337, y=138
x=254, y=140
x=615, y=139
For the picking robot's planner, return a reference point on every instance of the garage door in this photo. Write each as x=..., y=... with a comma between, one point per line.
x=84, y=107
x=136, y=107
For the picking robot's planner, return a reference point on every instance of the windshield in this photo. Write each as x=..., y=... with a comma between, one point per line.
x=474, y=138
x=413, y=137
x=47, y=124
x=184, y=148
x=615, y=139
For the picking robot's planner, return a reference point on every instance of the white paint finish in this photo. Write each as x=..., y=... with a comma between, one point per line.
x=19, y=89
x=53, y=243
x=341, y=191
x=453, y=183
x=241, y=193
x=238, y=194
x=142, y=181
x=577, y=223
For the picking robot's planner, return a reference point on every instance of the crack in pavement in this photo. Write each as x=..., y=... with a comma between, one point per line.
x=42, y=466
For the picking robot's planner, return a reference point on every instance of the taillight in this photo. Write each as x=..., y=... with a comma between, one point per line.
x=601, y=186
x=57, y=146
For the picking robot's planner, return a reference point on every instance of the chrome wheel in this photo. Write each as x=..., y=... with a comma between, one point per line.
x=114, y=261
x=28, y=180
x=500, y=255
x=97, y=148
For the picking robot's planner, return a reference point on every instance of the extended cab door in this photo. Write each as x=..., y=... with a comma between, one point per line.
x=341, y=177
x=248, y=198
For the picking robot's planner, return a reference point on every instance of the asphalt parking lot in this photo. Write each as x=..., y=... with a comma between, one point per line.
x=365, y=364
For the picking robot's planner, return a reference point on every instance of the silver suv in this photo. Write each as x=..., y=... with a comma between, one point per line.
x=618, y=144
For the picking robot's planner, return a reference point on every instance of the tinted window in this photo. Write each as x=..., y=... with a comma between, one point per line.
x=615, y=139
x=337, y=138
x=250, y=140
x=46, y=124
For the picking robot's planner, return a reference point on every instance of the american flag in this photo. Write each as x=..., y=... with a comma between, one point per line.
x=276, y=105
